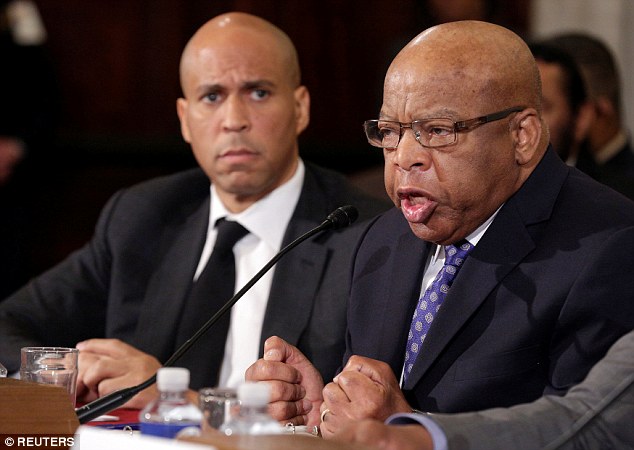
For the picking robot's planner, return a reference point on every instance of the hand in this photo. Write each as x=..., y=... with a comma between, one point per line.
x=365, y=389
x=386, y=437
x=295, y=383
x=107, y=365
x=84, y=392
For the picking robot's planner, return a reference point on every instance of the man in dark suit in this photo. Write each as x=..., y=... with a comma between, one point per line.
x=505, y=275
x=608, y=157
x=124, y=295
x=594, y=414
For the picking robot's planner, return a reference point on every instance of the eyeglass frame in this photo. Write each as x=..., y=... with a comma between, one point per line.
x=458, y=126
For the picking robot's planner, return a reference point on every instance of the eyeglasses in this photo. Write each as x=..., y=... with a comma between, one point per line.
x=436, y=132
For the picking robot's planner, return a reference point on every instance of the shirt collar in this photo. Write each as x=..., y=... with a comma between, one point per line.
x=265, y=217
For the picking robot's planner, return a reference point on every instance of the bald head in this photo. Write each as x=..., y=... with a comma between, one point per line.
x=488, y=62
x=249, y=32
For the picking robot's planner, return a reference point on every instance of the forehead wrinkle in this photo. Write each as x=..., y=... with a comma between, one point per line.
x=253, y=61
x=409, y=98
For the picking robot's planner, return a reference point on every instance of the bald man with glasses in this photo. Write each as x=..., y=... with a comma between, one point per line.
x=502, y=275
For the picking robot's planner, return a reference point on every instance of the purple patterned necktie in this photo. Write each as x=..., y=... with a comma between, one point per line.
x=429, y=303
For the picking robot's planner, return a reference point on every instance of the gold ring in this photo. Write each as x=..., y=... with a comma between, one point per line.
x=323, y=414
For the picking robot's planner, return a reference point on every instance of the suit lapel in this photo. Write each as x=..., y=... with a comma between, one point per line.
x=398, y=306
x=505, y=244
x=170, y=283
x=296, y=279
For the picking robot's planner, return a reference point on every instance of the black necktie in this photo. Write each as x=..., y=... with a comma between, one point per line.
x=209, y=293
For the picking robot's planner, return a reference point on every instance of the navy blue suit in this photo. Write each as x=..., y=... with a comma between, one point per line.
x=546, y=291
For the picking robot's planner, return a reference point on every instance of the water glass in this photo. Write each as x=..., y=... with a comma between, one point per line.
x=51, y=365
x=217, y=405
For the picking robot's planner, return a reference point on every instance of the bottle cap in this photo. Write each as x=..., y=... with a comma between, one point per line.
x=254, y=394
x=172, y=379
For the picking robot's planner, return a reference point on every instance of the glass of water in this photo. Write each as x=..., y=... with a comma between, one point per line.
x=50, y=365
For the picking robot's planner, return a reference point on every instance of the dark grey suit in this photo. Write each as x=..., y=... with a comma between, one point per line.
x=131, y=280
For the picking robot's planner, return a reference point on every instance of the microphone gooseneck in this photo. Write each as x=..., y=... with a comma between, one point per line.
x=339, y=218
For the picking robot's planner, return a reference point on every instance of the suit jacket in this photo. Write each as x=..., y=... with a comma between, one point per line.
x=131, y=280
x=617, y=172
x=597, y=414
x=540, y=299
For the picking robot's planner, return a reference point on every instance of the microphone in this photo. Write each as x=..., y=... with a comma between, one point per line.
x=339, y=218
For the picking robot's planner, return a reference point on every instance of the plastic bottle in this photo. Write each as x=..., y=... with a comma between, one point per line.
x=171, y=412
x=253, y=417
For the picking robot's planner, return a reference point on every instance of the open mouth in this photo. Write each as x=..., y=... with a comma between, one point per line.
x=415, y=205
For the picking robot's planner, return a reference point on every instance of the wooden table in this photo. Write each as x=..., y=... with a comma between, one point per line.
x=281, y=442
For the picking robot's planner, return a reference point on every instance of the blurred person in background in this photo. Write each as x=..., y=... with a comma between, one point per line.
x=609, y=158
x=565, y=109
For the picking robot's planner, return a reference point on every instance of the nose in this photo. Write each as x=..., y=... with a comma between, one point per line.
x=409, y=154
x=236, y=116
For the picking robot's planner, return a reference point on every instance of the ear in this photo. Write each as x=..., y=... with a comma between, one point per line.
x=604, y=106
x=302, y=109
x=181, y=110
x=527, y=135
x=585, y=117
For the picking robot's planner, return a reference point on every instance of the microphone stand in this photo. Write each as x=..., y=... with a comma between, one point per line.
x=339, y=218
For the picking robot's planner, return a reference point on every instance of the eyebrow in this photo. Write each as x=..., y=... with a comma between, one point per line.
x=257, y=83
x=247, y=85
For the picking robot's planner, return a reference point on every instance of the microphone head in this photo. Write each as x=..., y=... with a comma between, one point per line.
x=342, y=217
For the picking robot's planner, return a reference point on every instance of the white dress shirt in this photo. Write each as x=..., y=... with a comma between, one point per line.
x=266, y=220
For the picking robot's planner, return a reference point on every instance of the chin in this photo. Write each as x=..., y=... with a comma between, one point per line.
x=430, y=234
x=422, y=231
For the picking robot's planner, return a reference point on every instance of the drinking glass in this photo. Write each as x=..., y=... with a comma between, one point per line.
x=217, y=405
x=51, y=365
